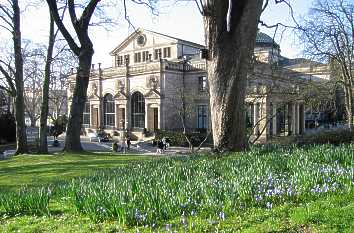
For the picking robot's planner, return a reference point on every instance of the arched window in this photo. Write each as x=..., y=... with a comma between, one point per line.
x=109, y=112
x=138, y=110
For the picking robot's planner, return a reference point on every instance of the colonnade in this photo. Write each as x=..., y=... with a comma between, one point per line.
x=268, y=120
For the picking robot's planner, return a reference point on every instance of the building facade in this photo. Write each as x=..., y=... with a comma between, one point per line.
x=160, y=82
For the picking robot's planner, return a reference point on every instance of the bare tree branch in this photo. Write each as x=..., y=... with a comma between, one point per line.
x=54, y=12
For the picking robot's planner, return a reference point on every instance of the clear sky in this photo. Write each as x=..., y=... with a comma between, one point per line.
x=181, y=20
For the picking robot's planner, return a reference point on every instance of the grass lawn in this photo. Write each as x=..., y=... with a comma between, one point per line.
x=263, y=190
x=35, y=170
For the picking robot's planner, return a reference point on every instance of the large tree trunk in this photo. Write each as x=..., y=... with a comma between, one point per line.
x=21, y=139
x=84, y=53
x=230, y=50
x=348, y=96
x=43, y=129
x=72, y=140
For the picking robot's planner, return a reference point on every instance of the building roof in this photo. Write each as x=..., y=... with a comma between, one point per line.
x=264, y=39
x=297, y=62
x=175, y=38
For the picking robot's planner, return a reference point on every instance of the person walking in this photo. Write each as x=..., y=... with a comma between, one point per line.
x=124, y=146
x=164, y=144
x=128, y=143
x=159, y=146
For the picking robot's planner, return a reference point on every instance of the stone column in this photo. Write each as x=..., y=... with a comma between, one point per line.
x=93, y=117
x=293, y=118
x=297, y=119
x=100, y=122
x=127, y=118
x=146, y=115
x=160, y=116
x=255, y=118
x=90, y=126
x=274, y=119
x=288, y=116
x=122, y=118
x=302, y=118
x=116, y=118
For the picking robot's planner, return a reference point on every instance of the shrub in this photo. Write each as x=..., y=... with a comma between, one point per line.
x=335, y=137
x=178, y=139
x=7, y=128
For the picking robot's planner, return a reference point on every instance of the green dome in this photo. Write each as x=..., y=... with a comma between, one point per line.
x=264, y=39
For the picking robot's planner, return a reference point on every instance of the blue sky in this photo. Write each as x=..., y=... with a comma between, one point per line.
x=181, y=20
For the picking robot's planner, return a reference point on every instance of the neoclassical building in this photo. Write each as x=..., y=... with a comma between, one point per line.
x=156, y=78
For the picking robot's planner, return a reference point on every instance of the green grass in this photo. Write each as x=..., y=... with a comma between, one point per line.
x=327, y=214
x=35, y=170
x=267, y=189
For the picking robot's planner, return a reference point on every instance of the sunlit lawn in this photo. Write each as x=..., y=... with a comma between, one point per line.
x=34, y=170
x=264, y=190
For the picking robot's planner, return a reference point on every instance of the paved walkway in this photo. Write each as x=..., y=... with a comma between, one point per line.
x=137, y=147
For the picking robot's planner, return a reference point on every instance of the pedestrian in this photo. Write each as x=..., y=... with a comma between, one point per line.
x=157, y=146
x=124, y=146
x=168, y=141
x=164, y=145
x=128, y=143
x=160, y=145
x=115, y=147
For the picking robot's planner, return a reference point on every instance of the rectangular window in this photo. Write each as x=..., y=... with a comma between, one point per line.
x=145, y=56
x=157, y=54
x=86, y=115
x=250, y=116
x=167, y=52
x=202, y=83
x=137, y=57
x=202, y=116
x=126, y=59
x=109, y=121
x=119, y=60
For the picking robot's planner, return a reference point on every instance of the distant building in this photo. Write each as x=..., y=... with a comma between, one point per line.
x=141, y=91
x=5, y=102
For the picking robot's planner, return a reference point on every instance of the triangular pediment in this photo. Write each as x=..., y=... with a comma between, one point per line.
x=153, y=94
x=151, y=39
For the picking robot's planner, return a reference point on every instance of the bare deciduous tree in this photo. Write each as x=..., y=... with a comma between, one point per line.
x=10, y=21
x=328, y=32
x=43, y=144
x=83, y=49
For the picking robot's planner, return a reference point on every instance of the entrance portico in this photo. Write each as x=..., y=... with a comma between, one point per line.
x=134, y=113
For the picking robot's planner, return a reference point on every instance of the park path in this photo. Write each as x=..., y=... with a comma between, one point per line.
x=137, y=147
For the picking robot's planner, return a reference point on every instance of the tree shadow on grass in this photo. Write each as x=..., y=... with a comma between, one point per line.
x=48, y=169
